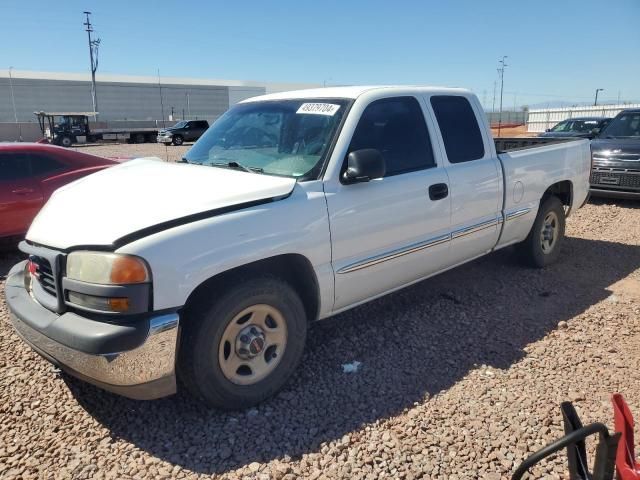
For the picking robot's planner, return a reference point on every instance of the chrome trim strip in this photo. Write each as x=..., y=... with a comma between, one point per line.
x=395, y=254
x=461, y=232
x=517, y=213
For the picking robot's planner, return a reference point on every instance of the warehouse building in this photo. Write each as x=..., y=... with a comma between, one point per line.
x=120, y=98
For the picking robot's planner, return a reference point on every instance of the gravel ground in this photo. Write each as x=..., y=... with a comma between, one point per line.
x=169, y=153
x=461, y=377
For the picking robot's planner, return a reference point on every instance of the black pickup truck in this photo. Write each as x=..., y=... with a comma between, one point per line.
x=183, y=131
x=615, y=156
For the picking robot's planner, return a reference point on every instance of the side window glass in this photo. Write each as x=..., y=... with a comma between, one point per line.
x=395, y=127
x=14, y=166
x=44, y=164
x=459, y=127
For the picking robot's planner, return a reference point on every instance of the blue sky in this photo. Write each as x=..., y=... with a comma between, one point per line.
x=558, y=50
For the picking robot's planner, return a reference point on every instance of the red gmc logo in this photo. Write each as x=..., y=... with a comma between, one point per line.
x=33, y=269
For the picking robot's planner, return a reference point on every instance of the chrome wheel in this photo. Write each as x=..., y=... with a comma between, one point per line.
x=549, y=232
x=253, y=344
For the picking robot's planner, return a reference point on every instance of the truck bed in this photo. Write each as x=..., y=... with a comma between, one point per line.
x=529, y=169
x=505, y=144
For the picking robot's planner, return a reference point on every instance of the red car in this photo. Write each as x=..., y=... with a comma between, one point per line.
x=29, y=173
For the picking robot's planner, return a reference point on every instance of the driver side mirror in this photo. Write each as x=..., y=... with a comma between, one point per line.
x=595, y=132
x=364, y=165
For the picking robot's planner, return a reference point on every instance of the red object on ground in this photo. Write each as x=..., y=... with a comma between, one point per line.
x=29, y=174
x=626, y=465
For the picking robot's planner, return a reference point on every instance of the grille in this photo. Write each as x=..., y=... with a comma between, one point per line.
x=615, y=179
x=44, y=275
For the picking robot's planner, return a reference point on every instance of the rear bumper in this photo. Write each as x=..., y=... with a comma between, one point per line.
x=136, y=360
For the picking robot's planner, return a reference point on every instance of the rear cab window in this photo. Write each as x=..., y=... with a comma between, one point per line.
x=396, y=128
x=459, y=128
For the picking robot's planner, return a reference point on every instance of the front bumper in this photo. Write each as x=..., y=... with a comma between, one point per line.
x=597, y=191
x=164, y=139
x=136, y=360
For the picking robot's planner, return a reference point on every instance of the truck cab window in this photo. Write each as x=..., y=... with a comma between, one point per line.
x=395, y=127
x=459, y=128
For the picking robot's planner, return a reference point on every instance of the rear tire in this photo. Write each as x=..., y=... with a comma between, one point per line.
x=217, y=358
x=178, y=140
x=66, y=141
x=542, y=245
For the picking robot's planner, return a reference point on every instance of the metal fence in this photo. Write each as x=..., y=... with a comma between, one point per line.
x=541, y=119
x=508, y=117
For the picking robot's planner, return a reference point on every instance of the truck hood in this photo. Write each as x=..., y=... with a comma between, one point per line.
x=616, y=145
x=146, y=194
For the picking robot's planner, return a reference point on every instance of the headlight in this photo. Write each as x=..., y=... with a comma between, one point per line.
x=106, y=268
x=107, y=282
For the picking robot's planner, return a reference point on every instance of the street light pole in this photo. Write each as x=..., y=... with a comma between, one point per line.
x=13, y=100
x=93, y=58
x=503, y=65
x=595, y=102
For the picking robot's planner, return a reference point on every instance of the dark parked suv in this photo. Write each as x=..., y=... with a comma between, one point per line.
x=577, y=127
x=615, y=157
x=184, y=131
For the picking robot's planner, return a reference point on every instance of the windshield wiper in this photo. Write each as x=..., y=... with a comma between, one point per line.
x=239, y=166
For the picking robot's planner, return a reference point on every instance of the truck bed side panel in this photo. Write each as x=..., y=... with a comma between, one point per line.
x=528, y=173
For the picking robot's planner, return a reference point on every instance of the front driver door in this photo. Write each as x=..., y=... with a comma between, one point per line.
x=388, y=232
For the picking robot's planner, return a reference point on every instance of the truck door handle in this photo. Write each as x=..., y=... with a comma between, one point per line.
x=22, y=191
x=438, y=191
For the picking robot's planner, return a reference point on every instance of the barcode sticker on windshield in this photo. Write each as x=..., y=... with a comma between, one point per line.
x=319, y=108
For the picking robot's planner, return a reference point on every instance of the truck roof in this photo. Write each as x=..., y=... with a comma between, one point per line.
x=354, y=92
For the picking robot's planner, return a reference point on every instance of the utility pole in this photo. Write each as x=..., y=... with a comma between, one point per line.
x=493, y=105
x=503, y=65
x=93, y=58
x=188, y=106
x=13, y=100
x=595, y=102
x=161, y=101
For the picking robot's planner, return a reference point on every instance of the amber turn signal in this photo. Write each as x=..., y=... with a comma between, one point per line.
x=126, y=270
x=119, y=304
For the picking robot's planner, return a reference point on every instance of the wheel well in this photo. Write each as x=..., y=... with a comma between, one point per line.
x=563, y=190
x=295, y=269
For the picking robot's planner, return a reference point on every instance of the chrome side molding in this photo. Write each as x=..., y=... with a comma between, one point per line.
x=461, y=232
x=517, y=213
x=368, y=262
x=432, y=242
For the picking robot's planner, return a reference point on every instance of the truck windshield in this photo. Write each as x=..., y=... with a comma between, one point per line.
x=575, y=126
x=284, y=137
x=624, y=125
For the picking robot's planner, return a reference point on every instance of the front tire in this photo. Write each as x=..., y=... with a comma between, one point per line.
x=66, y=141
x=542, y=245
x=178, y=140
x=242, y=347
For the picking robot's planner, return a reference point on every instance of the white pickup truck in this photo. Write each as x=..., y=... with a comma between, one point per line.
x=291, y=208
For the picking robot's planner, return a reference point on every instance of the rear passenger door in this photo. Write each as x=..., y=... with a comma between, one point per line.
x=388, y=232
x=475, y=176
